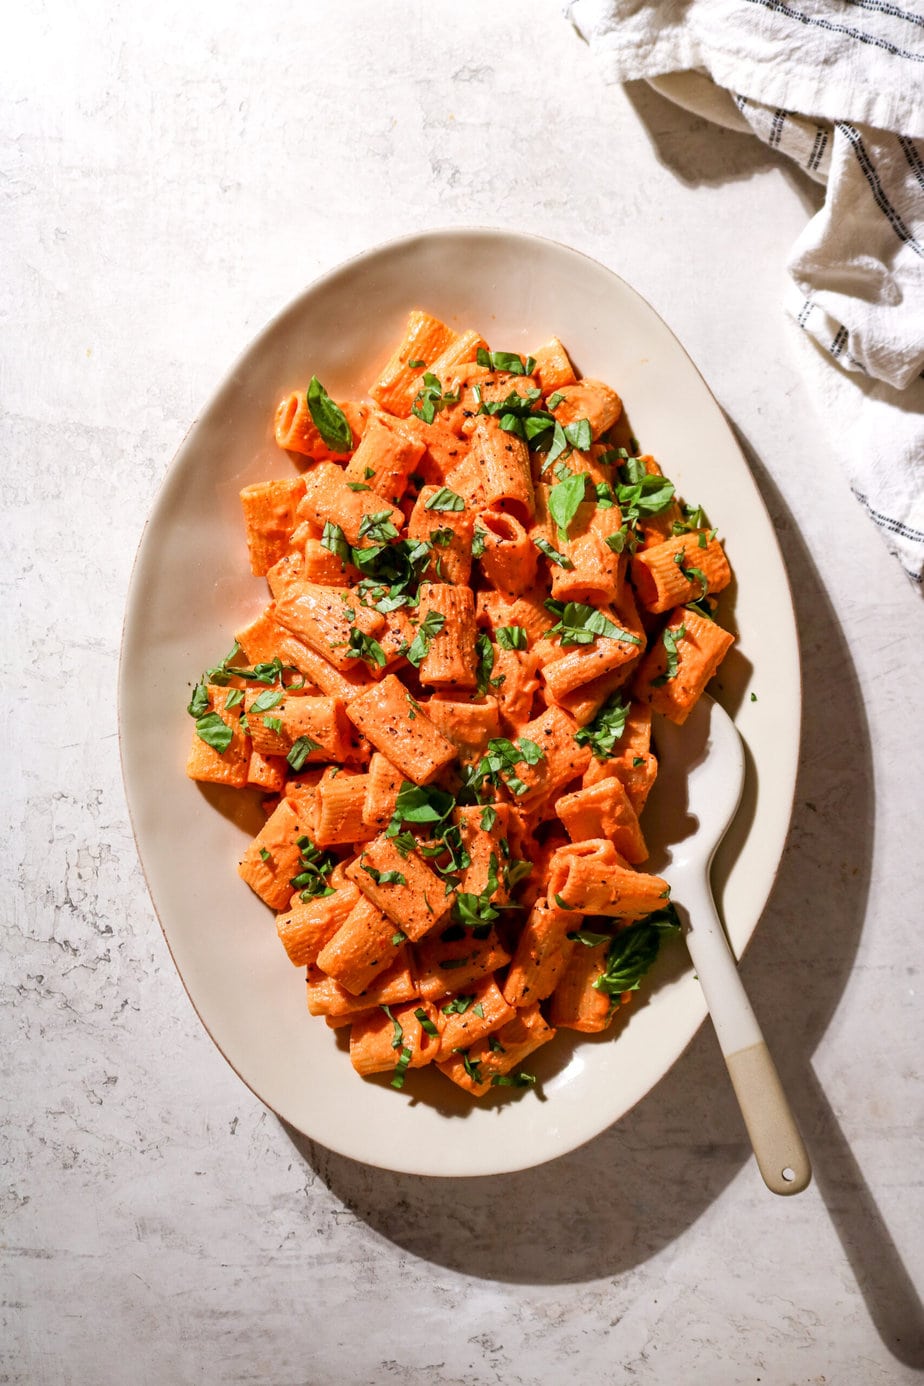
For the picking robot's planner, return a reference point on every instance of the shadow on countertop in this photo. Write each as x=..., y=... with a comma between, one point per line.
x=624, y=1196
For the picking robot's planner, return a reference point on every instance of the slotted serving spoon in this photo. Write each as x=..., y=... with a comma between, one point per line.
x=701, y=779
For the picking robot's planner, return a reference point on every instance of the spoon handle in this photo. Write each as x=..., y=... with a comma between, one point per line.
x=780, y=1153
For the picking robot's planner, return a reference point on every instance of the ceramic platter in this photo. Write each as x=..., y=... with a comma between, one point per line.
x=192, y=588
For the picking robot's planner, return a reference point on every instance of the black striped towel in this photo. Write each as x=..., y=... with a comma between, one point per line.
x=838, y=86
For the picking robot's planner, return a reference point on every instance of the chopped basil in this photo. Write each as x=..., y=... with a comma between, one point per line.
x=545, y=547
x=235, y=696
x=637, y=761
x=701, y=607
x=265, y=855
x=512, y=637
x=328, y=418
x=513, y=1080
x=498, y=764
x=472, y=1066
x=579, y=434
x=358, y=486
x=633, y=950
x=405, y=843
x=478, y=539
x=417, y=365
x=555, y=400
x=579, y=624
x=362, y=646
x=420, y=803
x=517, y=872
x=753, y=697
x=458, y=1005
x=428, y=629
x=508, y=361
x=401, y=1067
x=264, y=701
x=440, y=538
x=562, y=903
x=450, y=964
x=273, y=724
x=431, y=399
x=484, y=651
x=444, y=499
x=383, y=877
x=692, y=575
x=623, y=538
x=489, y=816
x=495, y=1045
x=606, y=727
x=564, y=500
x=315, y=866
x=214, y=732
x=478, y=1009
x=301, y=749
x=377, y=527
x=589, y=938
x=671, y=640
x=640, y=494
x=426, y=1024
x=199, y=702
x=603, y=493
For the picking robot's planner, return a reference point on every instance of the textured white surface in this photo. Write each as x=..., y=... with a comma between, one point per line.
x=169, y=180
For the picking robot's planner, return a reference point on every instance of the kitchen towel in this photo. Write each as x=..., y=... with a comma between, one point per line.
x=837, y=86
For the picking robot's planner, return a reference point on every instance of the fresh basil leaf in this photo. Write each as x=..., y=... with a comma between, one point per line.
x=564, y=500
x=401, y=1068
x=273, y=724
x=235, y=696
x=516, y=872
x=634, y=950
x=512, y=637
x=335, y=541
x=692, y=575
x=383, y=877
x=416, y=365
x=579, y=434
x=606, y=727
x=488, y=818
x=265, y=855
x=398, y=937
x=561, y=903
x=377, y=527
x=484, y=651
x=579, y=624
x=478, y=540
x=444, y=499
x=301, y=749
x=362, y=646
x=472, y=1066
x=589, y=938
x=328, y=418
x=421, y=803
x=513, y=1080
x=358, y=486
x=428, y=629
x=555, y=400
x=458, y=1005
x=671, y=641
x=214, y=732
x=264, y=701
x=545, y=547
x=199, y=702
x=508, y=361
x=431, y=399
x=426, y=1024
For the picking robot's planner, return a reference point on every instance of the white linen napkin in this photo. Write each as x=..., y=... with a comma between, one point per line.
x=838, y=86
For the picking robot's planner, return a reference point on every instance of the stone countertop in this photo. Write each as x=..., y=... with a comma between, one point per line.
x=170, y=179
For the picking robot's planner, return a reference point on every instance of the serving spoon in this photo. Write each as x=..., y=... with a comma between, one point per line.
x=700, y=782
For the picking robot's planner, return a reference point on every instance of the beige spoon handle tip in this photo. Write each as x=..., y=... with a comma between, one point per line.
x=781, y=1156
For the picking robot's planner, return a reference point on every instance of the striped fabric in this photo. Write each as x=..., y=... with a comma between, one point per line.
x=838, y=87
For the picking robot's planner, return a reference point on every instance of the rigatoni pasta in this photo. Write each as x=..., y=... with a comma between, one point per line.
x=478, y=594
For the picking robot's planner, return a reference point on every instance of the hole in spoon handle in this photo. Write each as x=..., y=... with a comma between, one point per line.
x=781, y=1156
